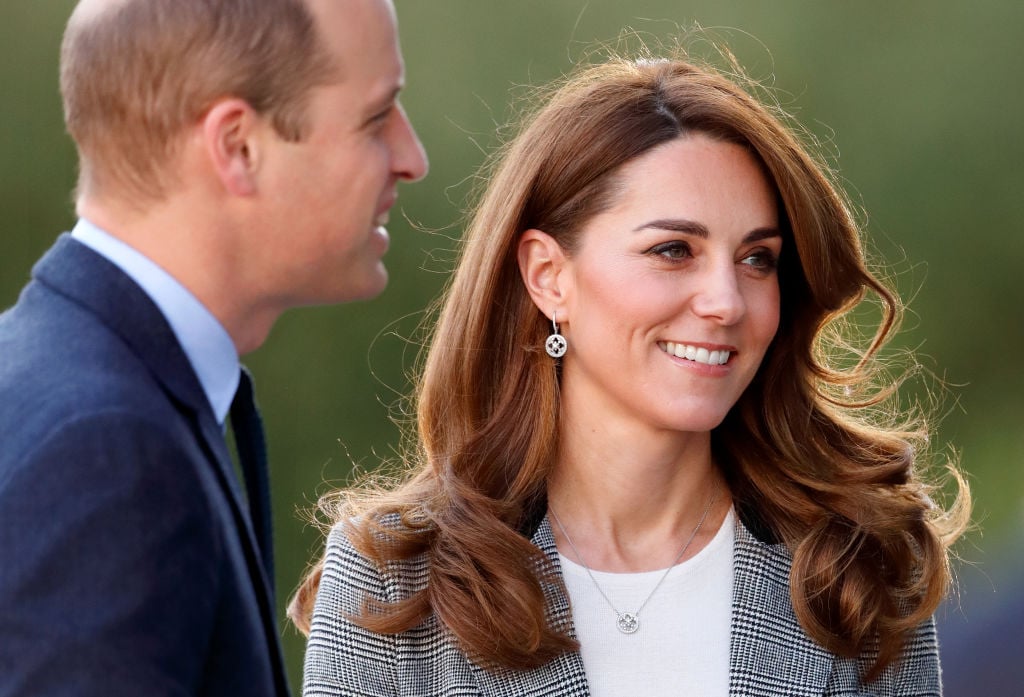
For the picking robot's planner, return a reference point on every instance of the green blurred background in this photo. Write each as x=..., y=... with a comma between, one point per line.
x=918, y=104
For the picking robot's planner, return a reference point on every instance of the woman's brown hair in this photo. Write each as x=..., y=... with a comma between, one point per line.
x=809, y=458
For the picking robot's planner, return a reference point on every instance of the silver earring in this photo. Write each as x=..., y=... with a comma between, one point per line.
x=556, y=345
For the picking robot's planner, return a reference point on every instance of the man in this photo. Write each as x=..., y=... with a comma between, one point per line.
x=238, y=158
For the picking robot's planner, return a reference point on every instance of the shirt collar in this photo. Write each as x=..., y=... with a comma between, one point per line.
x=206, y=343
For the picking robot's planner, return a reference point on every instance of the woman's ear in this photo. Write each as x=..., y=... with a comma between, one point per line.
x=230, y=143
x=541, y=263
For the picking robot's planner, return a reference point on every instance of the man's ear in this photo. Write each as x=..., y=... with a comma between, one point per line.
x=230, y=143
x=541, y=264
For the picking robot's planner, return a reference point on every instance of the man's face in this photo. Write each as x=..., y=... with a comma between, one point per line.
x=329, y=195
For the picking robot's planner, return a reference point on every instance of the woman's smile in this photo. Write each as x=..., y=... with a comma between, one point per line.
x=668, y=284
x=697, y=353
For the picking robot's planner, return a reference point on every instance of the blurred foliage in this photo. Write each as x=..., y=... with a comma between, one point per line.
x=917, y=104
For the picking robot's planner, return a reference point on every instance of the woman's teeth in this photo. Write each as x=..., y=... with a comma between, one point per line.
x=693, y=353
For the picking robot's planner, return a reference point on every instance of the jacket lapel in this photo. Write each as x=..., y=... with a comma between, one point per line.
x=562, y=677
x=75, y=271
x=769, y=652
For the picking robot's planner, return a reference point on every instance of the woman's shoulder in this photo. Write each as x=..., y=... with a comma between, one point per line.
x=349, y=570
x=755, y=546
x=764, y=619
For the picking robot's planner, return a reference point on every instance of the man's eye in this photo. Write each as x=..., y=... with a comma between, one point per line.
x=381, y=115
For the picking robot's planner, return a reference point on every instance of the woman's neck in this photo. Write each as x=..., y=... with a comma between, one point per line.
x=630, y=498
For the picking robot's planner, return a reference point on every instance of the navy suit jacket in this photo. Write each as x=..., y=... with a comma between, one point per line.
x=128, y=564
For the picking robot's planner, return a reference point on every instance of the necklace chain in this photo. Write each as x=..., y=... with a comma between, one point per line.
x=629, y=622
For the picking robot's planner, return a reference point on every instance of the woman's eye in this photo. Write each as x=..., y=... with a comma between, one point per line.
x=762, y=259
x=671, y=250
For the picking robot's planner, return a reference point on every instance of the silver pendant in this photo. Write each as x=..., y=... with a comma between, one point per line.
x=627, y=623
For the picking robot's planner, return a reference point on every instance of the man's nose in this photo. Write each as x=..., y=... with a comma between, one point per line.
x=410, y=158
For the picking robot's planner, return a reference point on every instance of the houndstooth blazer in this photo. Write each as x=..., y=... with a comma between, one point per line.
x=770, y=655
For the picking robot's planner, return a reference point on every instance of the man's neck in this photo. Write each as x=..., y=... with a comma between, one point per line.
x=202, y=256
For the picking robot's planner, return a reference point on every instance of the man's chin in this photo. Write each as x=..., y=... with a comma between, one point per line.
x=369, y=288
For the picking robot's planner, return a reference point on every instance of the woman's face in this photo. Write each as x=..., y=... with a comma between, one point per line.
x=672, y=295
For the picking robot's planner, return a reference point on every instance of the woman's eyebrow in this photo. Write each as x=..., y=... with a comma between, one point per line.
x=762, y=233
x=692, y=227
x=689, y=227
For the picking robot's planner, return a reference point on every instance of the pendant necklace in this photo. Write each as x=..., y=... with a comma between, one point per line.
x=629, y=622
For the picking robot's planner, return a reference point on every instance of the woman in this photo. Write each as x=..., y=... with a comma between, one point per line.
x=644, y=463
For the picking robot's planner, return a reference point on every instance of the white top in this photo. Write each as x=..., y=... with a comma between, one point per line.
x=682, y=645
x=207, y=344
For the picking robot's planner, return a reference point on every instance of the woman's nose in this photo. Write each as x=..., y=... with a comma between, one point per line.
x=718, y=296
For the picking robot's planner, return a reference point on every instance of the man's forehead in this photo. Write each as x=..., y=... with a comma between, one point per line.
x=355, y=17
x=362, y=34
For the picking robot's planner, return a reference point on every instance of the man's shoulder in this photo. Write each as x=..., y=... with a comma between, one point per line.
x=52, y=341
x=46, y=324
x=65, y=360
x=65, y=370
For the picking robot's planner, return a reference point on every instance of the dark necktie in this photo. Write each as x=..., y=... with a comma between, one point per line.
x=252, y=455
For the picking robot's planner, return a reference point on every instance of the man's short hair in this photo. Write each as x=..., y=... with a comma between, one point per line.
x=136, y=73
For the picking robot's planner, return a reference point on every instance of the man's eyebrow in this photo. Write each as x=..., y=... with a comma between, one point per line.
x=692, y=227
x=385, y=101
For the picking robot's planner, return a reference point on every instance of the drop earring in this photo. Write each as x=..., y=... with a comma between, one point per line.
x=556, y=345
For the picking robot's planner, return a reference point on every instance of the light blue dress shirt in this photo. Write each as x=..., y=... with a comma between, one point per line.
x=206, y=343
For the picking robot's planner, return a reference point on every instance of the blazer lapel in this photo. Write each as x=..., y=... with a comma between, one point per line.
x=769, y=652
x=75, y=271
x=562, y=677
